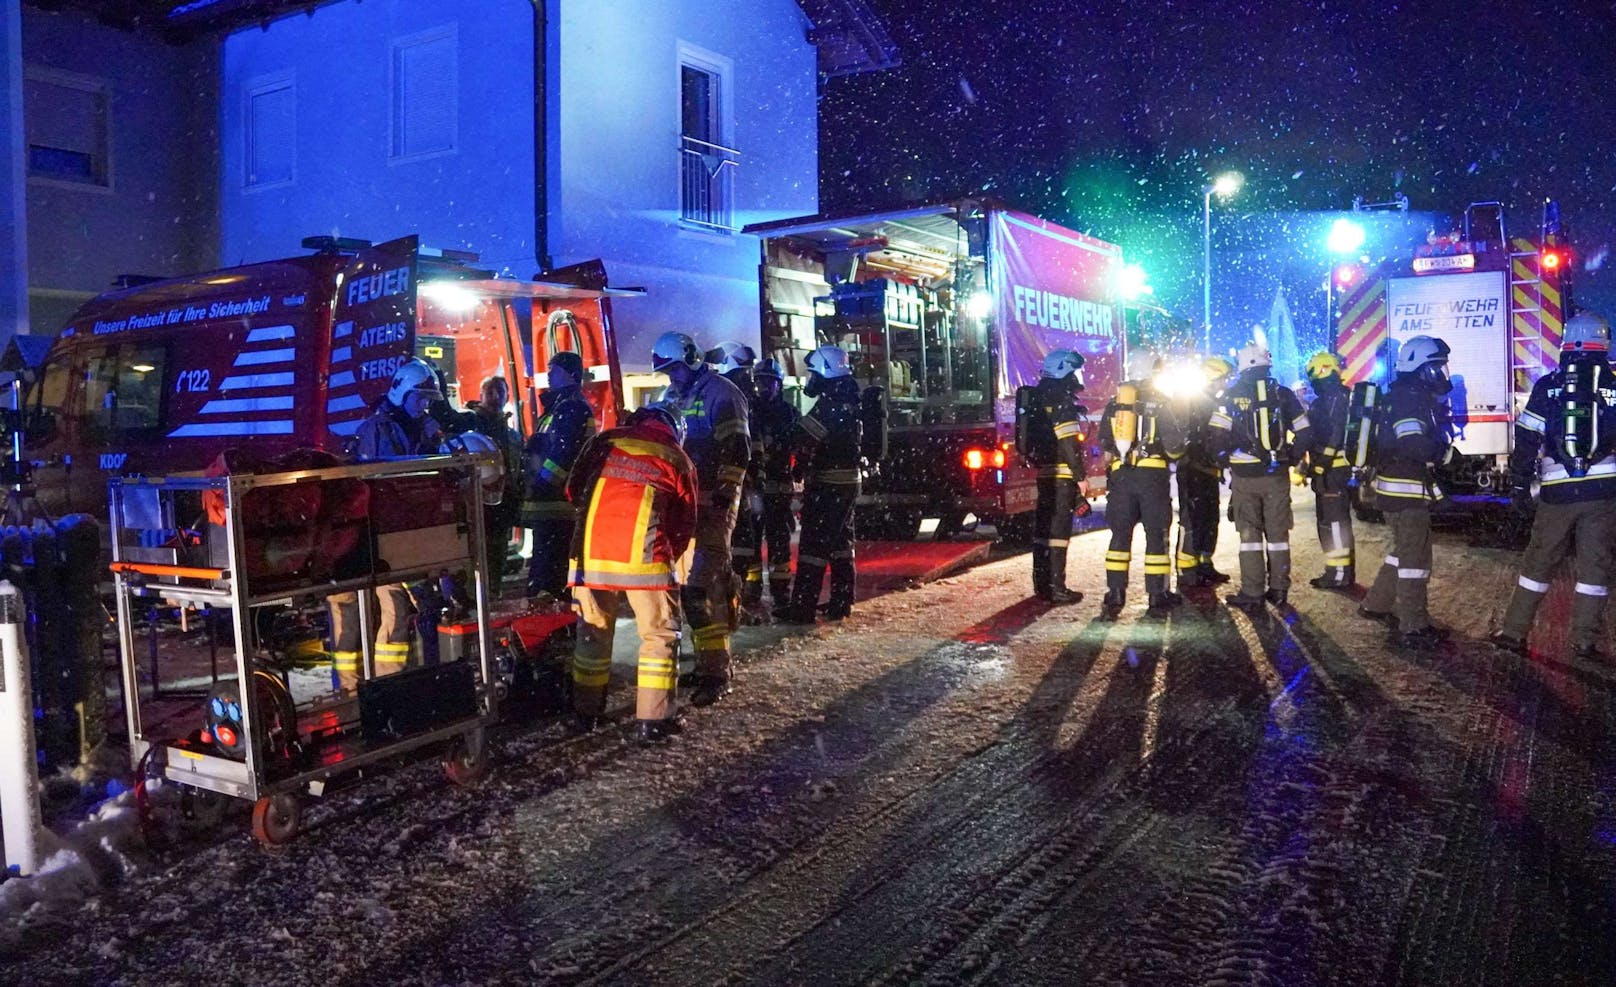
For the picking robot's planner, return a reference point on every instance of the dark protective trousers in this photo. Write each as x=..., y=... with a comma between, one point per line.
x=1333, y=510
x=1401, y=586
x=778, y=523
x=745, y=546
x=1197, y=517
x=1138, y=495
x=708, y=595
x=826, y=543
x=1584, y=533
x=1261, y=509
x=1052, y=526
x=547, y=568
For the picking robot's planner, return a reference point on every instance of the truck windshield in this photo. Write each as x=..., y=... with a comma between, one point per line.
x=123, y=389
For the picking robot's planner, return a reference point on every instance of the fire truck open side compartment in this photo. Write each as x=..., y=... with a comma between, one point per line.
x=242, y=542
x=948, y=308
x=1499, y=301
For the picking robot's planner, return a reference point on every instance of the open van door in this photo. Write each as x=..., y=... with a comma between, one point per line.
x=372, y=332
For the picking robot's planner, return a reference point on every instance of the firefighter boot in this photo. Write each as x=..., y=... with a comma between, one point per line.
x=1040, y=571
x=1586, y=611
x=1057, y=593
x=780, y=586
x=804, y=594
x=1523, y=604
x=1210, y=576
x=843, y=587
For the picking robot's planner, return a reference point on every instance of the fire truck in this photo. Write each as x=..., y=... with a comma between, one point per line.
x=1498, y=300
x=161, y=376
x=948, y=308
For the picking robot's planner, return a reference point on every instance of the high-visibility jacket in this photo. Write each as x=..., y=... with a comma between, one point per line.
x=1411, y=439
x=1540, y=431
x=638, y=492
x=716, y=434
x=566, y=424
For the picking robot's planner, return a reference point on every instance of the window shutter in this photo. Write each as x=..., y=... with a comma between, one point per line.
x=425, y=92
x=271, y=134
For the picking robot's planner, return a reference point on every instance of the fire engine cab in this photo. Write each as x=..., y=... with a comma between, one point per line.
x=1498, y=300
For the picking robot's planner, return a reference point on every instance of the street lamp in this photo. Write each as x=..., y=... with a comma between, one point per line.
x=1345, y=238
x=1223, y=186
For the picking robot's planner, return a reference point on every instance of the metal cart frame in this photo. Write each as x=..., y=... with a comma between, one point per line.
x=159, y=573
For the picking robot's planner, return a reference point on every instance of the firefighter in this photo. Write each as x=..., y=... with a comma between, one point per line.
x=1141, y=436
x=736, y=361
x=566, y=422
x=400, y=426
x=1411, y=439
x=827, y=450
x=774, y=420
x=1329, y=472
x=1257, y=429
x=1565, y=424
x=717, y=440
x=494, y=421
x=639, y=489
x=1200, y=478
x=1054, y=439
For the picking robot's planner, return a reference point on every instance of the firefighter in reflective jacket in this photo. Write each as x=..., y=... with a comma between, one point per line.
x=736, y=361
x=774, y=424
x=1565, y=423
x=398, y=428
x=1142, y=437
x=1257, y=428
x=1411, y=439
x=1200, y=478
x=827, y=452
x=566, y=422
x=1329, y=471
x=1055, y=448
x=638, y=493
x=720, y=446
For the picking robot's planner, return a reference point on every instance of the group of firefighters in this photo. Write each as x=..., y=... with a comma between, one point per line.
x=677, y=513
x=684, y=509
x=1247, y=423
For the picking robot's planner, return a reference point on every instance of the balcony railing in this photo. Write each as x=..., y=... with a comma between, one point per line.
x=707, y=183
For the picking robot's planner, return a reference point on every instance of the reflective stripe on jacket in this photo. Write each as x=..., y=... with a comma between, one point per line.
x=639, y=493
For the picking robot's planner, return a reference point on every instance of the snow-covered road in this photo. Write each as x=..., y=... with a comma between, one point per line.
x=960, y=785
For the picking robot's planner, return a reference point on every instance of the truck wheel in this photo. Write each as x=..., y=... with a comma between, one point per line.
x=891, y=525
x=276, y=819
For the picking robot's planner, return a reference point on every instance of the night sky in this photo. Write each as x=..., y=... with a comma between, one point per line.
x=1110, y=118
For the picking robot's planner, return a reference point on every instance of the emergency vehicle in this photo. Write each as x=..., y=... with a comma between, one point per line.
x=1499, y=301
x=159, y=377
x=949, y=308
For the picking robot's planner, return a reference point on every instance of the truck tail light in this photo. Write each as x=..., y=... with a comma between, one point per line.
x=999, y=457
x=974, y=459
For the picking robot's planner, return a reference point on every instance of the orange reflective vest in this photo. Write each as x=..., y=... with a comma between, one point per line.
x=638, y=490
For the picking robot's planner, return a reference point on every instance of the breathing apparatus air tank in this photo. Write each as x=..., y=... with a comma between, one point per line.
x=1362, y=410
x=1580, y=414
x=1125, y=419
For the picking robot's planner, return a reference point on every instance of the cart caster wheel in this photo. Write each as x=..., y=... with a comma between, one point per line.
x=276, y=818
x=467, y=760
x=203, y=809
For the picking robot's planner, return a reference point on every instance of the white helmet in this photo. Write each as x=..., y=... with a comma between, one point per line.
x=829, y=362
x=730, y=356
x=490, y=473
x=1142, y=365
x=1061, y=364
x=414, y=374
x=674, y=347
x=1254, y=355
x=1418, y=351
x=1586, y=332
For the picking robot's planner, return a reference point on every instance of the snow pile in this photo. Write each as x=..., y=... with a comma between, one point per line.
x=101, y=850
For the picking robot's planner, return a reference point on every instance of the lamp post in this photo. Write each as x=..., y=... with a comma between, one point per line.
x=1345, y=238
x=1224, y=185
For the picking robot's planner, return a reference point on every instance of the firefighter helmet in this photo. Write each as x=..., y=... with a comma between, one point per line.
x=731, y=356
x=414, y=374
x=664, y=413
x=1323, y=364
x=569, y=362
x=674, y=347
x=491, y=474
x=1586, y=332
x=1418, y=351
x=1061, y=364
x=1142, y=365
x=1215, y=368
x=1254, y=355
x=829, y=362
x=768, y=367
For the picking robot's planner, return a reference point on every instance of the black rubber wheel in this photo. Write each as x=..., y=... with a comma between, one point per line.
x=276, y=819
x=467, y=760
x=890, y=524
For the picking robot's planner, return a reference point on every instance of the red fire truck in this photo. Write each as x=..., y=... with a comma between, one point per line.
x=161, y=376
x=949, y=308
x=1499, y=301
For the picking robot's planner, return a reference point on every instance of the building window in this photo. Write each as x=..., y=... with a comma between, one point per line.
x=271, y=133
x=425, y=94
x=707, y=164
x=67, y=122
